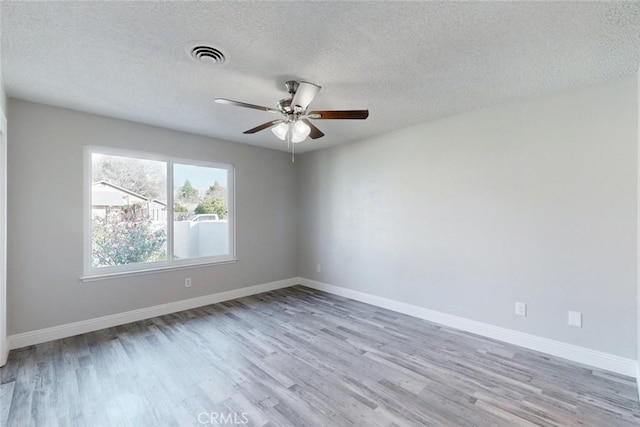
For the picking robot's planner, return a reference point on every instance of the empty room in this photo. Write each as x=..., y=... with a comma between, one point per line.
x=319, y=213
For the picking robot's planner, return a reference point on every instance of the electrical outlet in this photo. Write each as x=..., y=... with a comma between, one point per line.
x=318, y=268
x=575, y=319
x=187, y=282
x=521, y=309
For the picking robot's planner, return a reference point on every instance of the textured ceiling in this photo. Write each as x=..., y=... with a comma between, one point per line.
x=406, y=62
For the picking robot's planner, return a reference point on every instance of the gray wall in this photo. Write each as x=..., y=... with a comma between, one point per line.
x=4, y=350
x=533, y=201
x=45, y=217
x=3, y=97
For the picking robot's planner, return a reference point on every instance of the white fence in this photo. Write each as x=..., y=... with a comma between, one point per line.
x=200, y=239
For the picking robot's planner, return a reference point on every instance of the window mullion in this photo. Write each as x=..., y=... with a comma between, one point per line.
x=170, y=214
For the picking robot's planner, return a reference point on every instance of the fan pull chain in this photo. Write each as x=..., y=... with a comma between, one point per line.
x=290, y=144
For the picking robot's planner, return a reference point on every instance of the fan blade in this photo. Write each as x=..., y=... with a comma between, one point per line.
x=245, y=105
x=263, y=126
x=315, y=132
x=339, y=114
x=304, y=95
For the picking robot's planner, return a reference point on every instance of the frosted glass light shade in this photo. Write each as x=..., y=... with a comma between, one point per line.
x=280, y=131
x=300, y=131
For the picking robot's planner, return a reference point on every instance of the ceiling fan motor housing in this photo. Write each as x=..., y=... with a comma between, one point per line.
x=292, y=86
x=285, y=106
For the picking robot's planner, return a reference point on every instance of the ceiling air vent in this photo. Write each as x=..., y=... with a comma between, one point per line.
x=206, y=54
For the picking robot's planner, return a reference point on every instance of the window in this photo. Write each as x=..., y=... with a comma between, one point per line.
x=145, y=212
x=202, y=191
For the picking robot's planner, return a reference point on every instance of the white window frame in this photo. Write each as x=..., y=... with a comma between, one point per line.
x=96, y=273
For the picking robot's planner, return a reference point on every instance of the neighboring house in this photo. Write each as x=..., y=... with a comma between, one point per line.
x=106, y=197
x=157, y=210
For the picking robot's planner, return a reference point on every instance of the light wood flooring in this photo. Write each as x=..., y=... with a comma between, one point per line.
x=298, y=357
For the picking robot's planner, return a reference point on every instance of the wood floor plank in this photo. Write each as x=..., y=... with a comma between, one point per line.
x=299, y=357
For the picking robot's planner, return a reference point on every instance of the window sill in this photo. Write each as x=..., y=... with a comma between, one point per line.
x=119, y=274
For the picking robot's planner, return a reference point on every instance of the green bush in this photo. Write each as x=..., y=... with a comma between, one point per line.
x=119, y=238
x=177, y=207
x=212, y=206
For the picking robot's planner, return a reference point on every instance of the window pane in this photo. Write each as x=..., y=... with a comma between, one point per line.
x=201, y=223
x=128, y=210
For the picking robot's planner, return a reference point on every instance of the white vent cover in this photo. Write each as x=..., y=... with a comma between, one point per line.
x=205, y=53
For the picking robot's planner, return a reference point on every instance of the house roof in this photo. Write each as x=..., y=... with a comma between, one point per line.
x=115, y=198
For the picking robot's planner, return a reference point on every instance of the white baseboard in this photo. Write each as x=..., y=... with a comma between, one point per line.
x=571, y=352
x=82, y=327
x=638, y=378
x=4, y=352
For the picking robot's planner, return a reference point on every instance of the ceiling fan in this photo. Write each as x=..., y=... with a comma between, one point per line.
x=295, y=125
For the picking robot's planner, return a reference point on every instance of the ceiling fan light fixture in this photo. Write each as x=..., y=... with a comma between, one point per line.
x=280, y=131
x=297, y=139
x=300, y=131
